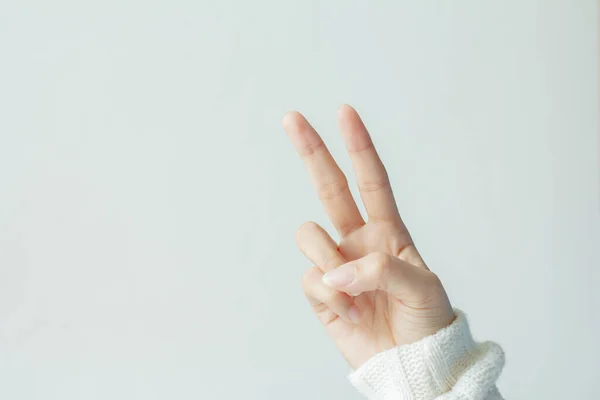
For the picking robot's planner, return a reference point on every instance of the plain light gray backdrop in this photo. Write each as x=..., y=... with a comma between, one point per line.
x=149, y=196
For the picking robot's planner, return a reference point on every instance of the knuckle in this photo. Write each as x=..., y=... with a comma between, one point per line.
x=378, y=265
x=331, y=260
x=374, y=186
x=310, y=149
x=320, y=308
x=331, y=297
x=373, y=266
x=308, y=279
x=333, y=189
x=379, y=260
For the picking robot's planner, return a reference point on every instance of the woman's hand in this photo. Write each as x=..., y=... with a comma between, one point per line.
x=372, y=291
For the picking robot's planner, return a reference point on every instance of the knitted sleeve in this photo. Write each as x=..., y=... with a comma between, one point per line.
x=448, y=365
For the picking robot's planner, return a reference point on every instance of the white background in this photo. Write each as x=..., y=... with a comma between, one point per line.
x=149, y=196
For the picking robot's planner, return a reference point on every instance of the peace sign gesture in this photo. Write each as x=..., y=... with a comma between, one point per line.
x=372, y=291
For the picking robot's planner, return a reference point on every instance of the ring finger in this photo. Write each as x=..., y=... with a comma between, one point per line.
x=328, y=303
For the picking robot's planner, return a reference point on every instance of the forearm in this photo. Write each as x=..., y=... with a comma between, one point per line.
x=447, y=365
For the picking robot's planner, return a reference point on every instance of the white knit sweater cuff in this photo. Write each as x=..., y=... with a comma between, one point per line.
x=446, y=365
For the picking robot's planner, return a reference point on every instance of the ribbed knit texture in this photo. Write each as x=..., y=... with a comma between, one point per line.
x=448, y=365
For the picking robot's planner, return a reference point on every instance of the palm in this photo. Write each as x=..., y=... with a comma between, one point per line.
x=386, y=321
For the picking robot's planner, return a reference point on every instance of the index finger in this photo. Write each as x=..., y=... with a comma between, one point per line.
x=327, y=177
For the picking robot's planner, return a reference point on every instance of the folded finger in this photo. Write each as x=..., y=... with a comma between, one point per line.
x=316, y=244
x=326, y=301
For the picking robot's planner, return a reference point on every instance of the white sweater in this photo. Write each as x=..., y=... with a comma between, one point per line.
x=444, y=366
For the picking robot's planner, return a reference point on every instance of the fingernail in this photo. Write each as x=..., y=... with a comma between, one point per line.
x=341, y=276
x=354, y=314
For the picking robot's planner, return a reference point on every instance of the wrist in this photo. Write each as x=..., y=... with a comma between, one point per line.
x=448, y=360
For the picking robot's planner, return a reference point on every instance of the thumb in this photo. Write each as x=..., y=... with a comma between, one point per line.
x=381, y=271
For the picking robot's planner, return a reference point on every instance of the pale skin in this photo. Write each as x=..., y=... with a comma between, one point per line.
x=372, y=291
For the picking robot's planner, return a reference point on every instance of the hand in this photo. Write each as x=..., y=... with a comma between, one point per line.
x=372, y=292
